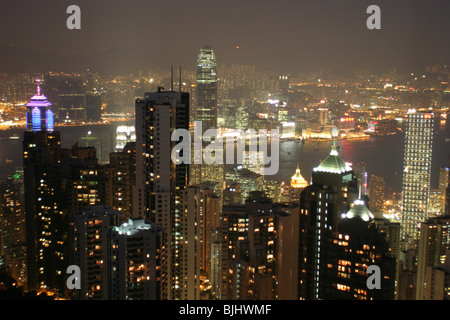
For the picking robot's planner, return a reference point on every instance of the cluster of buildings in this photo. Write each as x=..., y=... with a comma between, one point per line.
x=146, y=227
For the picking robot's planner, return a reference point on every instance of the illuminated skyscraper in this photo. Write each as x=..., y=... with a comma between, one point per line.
x=161, y=194
x=432, y=251
x=416, y=171
x=135, y=253
x=376, y=192
x=90, y=247
x=39, y=116
x=206, y=104
x=43, y=193
x=333, y=189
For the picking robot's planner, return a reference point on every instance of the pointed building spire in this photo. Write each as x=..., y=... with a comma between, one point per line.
x=38, y=81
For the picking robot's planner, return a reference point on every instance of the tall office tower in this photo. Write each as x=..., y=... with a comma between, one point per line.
x=157, y=177
x=45, y=218
x=93, y=106
x=273, y=189
x=433, y=247
x=333, y=190
x=186, y=252
x=264, y=262
x=234, y=228
x=416, y=171
x=376, y=192
x=206, y=103
x=444, y=174
x=89, y=234
x=83, y=177
x=209, y=224
x=204, y=111
x=286, y=251
x=93, y=98
x=361, y=175
x=121, y=179
x=323, y=116
x=298, y=183
x=161, y=194
x=348, y=251
x=68, y=93
x=135, y=255
x=12, y=227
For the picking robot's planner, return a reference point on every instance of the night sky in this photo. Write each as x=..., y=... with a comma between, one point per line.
x=283, y=35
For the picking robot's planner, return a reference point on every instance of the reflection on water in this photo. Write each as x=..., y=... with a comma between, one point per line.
x=383, y=155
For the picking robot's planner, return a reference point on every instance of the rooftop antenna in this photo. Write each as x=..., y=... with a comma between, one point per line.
x=38, y=86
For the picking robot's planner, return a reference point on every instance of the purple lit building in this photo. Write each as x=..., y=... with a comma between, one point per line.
x=39, y=116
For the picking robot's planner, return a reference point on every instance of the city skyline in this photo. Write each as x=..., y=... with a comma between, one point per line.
x=100, y=198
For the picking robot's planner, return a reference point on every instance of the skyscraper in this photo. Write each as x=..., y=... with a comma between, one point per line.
x=416, y=171
x=135, y=254
x=333, y=189
x=157, y=177
x=376, y=192
x=161, y=194
x=206, y=104
x=348, y=251
x=432, y=251
x=444, y=174
x=42, y=186
x=90, y=249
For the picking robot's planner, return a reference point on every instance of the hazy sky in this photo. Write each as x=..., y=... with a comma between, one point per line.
x=277, y=33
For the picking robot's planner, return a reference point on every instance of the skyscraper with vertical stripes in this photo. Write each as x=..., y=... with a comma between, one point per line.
x=206, y=97
x=416, y=171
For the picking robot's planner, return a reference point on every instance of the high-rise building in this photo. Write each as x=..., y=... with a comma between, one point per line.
x=157, y=177
x=45, y=218
x=68, y=93
x=206, y=102
x=361, y=174
x=432, y=250
x=205, y=114
x=121, y=177
x=348, y=251
x=12, y=227
x=263, y=258
x=298, y=183
x=90, y=243
x=93, y=106
x=376, y=192
x=162, y=195
x=84, y=179
x=333, y=190
x=135, y=261
x=444, y=174
x=416, y=171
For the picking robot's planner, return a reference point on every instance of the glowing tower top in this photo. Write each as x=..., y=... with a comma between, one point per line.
x=39, y=116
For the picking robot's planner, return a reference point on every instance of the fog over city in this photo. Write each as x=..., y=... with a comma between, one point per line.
x=284, y=36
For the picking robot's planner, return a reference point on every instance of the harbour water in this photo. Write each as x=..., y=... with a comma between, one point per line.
x=382, y=155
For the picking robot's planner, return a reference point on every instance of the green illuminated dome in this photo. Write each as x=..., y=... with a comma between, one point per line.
x=333, y=163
